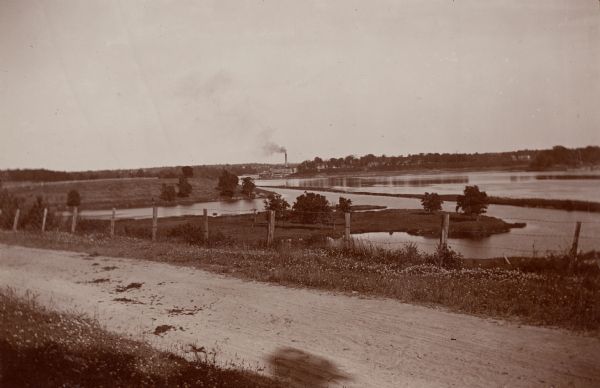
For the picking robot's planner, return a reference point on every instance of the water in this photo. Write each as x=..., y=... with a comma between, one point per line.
x=547, y=230
x=578, y=185
x=214, y=209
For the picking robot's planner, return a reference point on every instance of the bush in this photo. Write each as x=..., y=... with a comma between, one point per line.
x=310, y=208
x=167, y=193
x=277, y=203
x=432, y=202
x=73, y=198
x=185, y=189
x=34, y=217
x=227, y=183
x=8, y=207
x=473, y=201
x=193, y=234
x=248, y=186
x=344, y=205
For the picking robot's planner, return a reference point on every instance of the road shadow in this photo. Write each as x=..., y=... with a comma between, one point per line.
x=301, y=369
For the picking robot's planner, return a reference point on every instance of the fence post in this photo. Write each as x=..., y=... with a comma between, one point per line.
x=74, y=219
x=44, y=219
x=347, y=228
x=575, y=245
x=112, y=222
x=16, y=221
x=254, y=217
x=154, y=221
x=271, y=228
x=205, y=230
x=445, y=227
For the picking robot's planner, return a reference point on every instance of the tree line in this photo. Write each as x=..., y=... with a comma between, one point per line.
x=558, y=156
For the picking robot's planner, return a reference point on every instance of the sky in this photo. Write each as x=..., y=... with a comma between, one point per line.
x=126, y=84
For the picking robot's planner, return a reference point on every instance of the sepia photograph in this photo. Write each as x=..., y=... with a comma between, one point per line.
x=299, y=193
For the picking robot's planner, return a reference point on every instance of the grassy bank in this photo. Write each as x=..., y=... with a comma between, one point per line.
x=251, y=230
x=42, y=348
x=540, y=292
x=559, y=204
x=119, y=193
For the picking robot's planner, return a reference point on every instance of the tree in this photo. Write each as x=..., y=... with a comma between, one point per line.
x=73, y=198
x=248, y=186
x=277, y=203
x=227, y=183
x=311, y=208
x=344, y=205
x=187, y=171
x=432, y=202
x=185, y=189
x=473, y=201
x=167, y=193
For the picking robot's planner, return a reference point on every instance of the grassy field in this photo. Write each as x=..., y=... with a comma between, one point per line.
x=119, y=193
x=251, y=230
x=541, y=292
x=42, y=348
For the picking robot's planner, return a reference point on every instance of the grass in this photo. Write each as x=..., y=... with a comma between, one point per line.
x=542, y=292
x=250, y=230
x=43, y=348
x=119, y=193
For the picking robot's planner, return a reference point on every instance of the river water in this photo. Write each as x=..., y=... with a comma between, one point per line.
x=547, y=230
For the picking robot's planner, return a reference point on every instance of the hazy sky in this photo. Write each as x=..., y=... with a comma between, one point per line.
x=123, y=84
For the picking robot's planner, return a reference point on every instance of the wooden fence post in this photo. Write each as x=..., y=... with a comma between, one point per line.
x=254, y=217
x=16, y=221
x=154, y=221
x=575, y=245
x=112, y=222
x=74, y=219
x=347, y=228
x=205, y=229
x=444, y=230
x=44, y=219
x=271, y=228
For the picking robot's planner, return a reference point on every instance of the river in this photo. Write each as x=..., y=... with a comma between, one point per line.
x=547, y=230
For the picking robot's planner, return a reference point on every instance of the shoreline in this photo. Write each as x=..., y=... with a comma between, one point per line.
x=557, y=204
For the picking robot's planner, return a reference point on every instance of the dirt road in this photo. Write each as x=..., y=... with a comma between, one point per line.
x=374, y=342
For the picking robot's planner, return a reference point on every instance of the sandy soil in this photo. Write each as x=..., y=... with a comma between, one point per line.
x=373, y=342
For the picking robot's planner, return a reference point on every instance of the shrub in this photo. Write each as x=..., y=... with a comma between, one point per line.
x=432, y=202
x=8, y=206
x=227, y=183
x=277, y=203
x=185, y=189
x=311, y=208
x=344, y=205
x=248, y=186
x=167, y=193
x=473, y=201
x=73, y=198
x=34, y=217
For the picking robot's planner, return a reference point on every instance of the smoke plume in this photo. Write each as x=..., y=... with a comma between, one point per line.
x=271, y=148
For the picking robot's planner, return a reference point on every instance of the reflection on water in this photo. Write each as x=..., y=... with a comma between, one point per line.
x=214, y=209
x=301, y=369
x=557, y=185
x=547, y=230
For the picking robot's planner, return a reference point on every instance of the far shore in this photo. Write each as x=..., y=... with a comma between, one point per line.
x=558, y=204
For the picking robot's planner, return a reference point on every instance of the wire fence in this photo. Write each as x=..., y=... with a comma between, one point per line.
x=270, y=228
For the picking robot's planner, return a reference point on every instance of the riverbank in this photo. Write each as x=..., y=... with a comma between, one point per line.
x=541, y=292
x=251, y=229
x=122, y=193
x=558, y=204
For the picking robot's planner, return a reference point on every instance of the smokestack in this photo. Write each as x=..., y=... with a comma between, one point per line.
x=285, y=153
